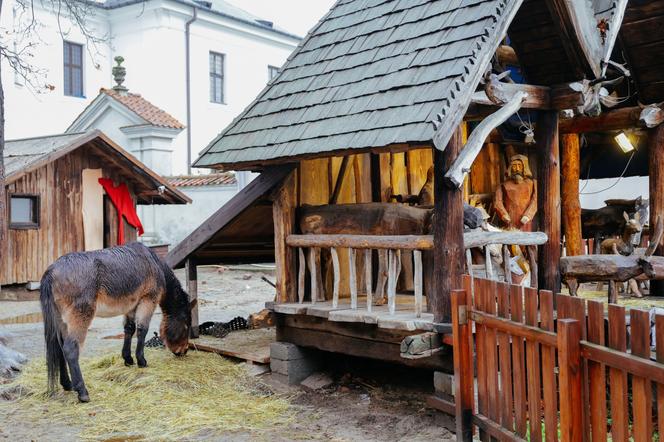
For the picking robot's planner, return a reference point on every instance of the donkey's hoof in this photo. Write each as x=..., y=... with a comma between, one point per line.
x=66, y=386
x=83, y=397
x=142, y=363
x=129, y=361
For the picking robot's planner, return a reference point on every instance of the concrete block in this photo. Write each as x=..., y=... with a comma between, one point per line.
x=286, y=351
x=32, y=285
x=443, y=383
x=317, y=381
x=299, y=368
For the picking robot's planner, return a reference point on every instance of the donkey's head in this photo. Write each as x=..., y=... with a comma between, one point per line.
x=176, y=322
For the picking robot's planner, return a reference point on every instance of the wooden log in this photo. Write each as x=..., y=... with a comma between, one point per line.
x=301, y=274
x=456, y=173
x=548, y=200
x=192, y=288
x=337, y=276
x=619, y=268
x=624, y=118
x=314, y=273
x=571, y=206
x=656, y=184
x=448, y=250
x=352, y=278
x=283, y=212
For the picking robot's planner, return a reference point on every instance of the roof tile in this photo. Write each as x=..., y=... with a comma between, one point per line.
x=144, y=109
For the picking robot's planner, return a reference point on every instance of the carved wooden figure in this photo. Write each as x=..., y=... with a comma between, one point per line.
x=623, y=246
x=515, y=200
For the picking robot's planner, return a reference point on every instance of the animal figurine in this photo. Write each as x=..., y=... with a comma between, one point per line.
x=608, y=221
x=624, y=246
x=127, y=280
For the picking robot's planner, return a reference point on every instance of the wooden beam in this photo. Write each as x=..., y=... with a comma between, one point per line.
x=340, y=180
x=624, y=118
x=571, y=206
x=535, y=97
x=456, y=174
x=548, y=199
x=448, y=249
x=656, y=185
x=283, y=214
x=192, y=287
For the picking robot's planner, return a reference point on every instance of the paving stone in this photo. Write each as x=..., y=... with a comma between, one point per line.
x=317, y=381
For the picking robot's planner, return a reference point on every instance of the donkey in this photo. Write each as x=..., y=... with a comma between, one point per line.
x=127, y=280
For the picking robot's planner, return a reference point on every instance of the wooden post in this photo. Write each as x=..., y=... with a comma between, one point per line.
x=571, y=206
x=464, y=378
x=569, y=363
x=192, y=289
x=283, y=214
x=448, y=250
x=548, y=199
x=656, y=174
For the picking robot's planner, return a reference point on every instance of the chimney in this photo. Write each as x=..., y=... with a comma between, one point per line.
x=119, y=74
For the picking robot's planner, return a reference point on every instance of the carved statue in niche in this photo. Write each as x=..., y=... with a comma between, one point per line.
x=515, y=200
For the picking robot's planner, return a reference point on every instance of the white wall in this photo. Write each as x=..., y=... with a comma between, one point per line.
x=174, y=223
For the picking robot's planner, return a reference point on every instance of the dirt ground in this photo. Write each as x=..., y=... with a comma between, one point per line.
x=368, y=401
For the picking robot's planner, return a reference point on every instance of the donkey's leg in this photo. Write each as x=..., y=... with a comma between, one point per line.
x=71, y=347
x=129, y=330
x=64, y=374
x=144, y=312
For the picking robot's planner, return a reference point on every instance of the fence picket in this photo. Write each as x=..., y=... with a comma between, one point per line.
x=518, y=363
x=463, y=366
x=569, y=359
x=505, y=361
x=492, y=355
x=480, y=342
x=659, y=343
x=352, y=278
x=641, y=388
x=533, y=368
x=548, y=369
x=368, y=276
x=618, y=378
x=301, y=275
x=597, y=373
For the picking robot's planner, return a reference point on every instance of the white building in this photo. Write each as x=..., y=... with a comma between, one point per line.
x=202, y=62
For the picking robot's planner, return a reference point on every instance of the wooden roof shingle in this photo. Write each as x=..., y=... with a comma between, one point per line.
x=370, y=74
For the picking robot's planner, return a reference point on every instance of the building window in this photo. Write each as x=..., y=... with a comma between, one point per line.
x=73, y=63
x=217, y=77
x=272, y=72
x=24, y=212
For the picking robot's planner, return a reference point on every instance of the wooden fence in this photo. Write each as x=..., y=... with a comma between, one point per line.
x=569, y=374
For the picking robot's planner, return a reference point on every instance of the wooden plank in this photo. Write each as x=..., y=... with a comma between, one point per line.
x=518, y=363
x=249, y=345
x=597, y=373
x=569, y=362
x=283, y=213
x=505, y=361
x=480, y=291
x=617, y=377
x=641, y=387
x=659, y=343
x=464, y=377
x=548, y=199
x=549, y=385
x=533, y=368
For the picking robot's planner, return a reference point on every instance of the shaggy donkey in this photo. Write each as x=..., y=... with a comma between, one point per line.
x=126, y=280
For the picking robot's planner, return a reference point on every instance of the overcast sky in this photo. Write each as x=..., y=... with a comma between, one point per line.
x=296, y=16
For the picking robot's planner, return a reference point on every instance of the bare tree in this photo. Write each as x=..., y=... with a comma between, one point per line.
x=17, y=50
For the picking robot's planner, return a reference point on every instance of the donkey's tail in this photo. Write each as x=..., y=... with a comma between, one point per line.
x=54, y=355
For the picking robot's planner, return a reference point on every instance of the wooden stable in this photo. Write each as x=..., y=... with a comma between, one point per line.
x=52, y=173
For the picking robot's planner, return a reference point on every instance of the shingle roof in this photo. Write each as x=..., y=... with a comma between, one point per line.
x=144, y=109
x=371, y=73
x=213, y=179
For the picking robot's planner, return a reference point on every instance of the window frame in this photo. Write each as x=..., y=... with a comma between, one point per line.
x=213, y=75
x=36, y=207
x=270, y=69
x=69, y=67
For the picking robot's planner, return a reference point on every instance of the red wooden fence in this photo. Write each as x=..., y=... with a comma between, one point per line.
x=545, y=374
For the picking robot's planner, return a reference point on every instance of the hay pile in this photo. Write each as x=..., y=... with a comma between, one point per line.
x=198, y=396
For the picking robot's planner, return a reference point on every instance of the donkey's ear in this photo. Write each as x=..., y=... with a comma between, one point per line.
x=193, y=303
x=626, y=216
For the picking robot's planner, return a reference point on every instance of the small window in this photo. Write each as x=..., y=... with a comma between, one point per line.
x=24, y=212
x=217, y=77
x=73, y=69
x=272, y=72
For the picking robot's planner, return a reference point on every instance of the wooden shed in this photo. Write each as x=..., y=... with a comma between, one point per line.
x=381, y=92
x=57, y=204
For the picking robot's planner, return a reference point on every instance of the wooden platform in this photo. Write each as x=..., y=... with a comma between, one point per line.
x=403, y=319
x=249, y=345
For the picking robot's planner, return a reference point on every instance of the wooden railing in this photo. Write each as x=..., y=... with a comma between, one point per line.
x=541, y=373
x=390, y=249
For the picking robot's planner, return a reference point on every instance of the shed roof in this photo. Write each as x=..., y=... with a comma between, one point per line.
x=371, y=73
x=25, y=155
